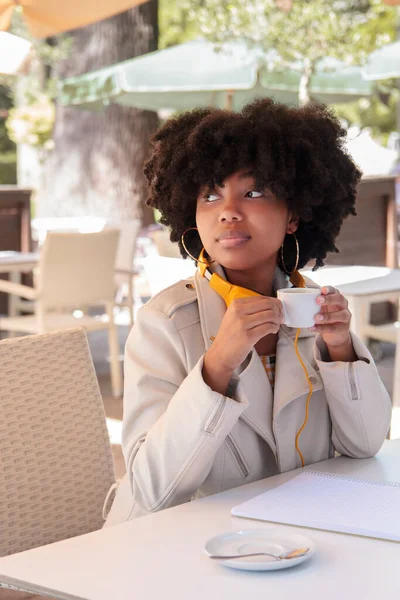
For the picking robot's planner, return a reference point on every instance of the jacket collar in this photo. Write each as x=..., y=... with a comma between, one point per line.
x=290, y=382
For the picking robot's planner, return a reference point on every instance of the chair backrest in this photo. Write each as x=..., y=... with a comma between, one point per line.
x=42, y=225
x=128, y=234
x=56, y=461
x=77, y=268
x=164, y=245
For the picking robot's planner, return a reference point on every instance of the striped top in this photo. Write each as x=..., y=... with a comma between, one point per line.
x=269, y=366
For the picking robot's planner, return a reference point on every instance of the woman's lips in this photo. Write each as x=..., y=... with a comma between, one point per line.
x=233, y=241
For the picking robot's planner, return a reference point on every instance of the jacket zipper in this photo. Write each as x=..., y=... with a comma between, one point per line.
x=217, y=415
x=241, y=464
x=353, y=387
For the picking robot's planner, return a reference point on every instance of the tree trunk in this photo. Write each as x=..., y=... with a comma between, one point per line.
x=305, y=81
x=97, y=163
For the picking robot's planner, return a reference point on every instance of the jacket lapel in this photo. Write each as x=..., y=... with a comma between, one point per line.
x=254, y=388
x=211, y=307
x=250, y=382
x=290, y=378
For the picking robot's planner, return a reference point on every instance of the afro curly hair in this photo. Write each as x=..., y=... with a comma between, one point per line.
x=297, y=153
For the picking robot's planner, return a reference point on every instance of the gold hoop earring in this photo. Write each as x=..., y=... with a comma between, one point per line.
x=200, y=257
x=297, y=256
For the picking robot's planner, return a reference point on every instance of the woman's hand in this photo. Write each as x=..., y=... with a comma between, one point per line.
x=333, y=323
x=245, y=322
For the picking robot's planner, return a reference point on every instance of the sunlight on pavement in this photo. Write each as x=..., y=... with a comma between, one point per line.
x=114, y=431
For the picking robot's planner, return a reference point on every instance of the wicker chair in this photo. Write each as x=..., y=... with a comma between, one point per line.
x=56, y=464
x=76, y=270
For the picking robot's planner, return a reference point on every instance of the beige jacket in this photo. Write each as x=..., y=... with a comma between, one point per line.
x=181, y=440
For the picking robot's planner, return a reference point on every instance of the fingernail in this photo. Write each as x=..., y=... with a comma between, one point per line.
x=319, y=318
x=320, y=300
x=312, y=328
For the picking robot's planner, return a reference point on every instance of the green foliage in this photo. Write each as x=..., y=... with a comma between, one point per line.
x=378, y=115
x=8, y=168
x=32, y=123
x=297, y=30
x=177, y=22
x=6, y=145
x=344, y=29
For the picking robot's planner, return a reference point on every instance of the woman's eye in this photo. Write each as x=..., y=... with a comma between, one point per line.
x=211, y=197
x=254, y=194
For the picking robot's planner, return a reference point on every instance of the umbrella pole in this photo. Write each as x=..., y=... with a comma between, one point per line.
x=229, y=100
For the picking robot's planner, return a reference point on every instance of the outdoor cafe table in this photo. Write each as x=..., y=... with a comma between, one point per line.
x=161, y=555
x=15, y=263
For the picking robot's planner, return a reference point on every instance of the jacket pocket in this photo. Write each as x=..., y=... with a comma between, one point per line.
x=238, y=457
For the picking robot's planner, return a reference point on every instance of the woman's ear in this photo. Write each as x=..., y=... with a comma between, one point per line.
x=293, y=223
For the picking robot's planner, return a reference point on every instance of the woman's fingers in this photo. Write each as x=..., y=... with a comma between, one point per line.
x=337, y=328
x=340, y=316
x=262, y=330
x=333, y=301
x=263, y=317
x=251, y=306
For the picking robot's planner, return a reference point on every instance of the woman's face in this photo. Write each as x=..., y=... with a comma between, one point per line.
x=240, y=226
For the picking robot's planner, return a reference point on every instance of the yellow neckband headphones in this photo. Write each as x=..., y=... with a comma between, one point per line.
x=230, y=292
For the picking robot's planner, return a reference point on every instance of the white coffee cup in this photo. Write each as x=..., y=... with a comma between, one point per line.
x=299, y=306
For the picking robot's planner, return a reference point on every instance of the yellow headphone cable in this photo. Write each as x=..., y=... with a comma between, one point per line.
x=296, y=347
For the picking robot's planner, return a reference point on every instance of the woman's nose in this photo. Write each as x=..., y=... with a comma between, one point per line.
x=230, y=211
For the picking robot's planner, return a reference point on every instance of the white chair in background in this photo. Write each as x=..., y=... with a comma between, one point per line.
x=164, y=245
x=57, y=470
x=42, y=225
x=75, y=270
x=124, y=263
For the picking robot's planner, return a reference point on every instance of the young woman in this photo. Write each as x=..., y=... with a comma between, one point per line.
x=215, y=395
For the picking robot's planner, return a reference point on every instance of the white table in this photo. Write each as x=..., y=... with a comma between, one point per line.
x=161, y=555
x=16, y=263
x=362, y=286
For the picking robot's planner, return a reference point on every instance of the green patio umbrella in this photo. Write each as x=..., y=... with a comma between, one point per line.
x=383, y=63
x=197, y=74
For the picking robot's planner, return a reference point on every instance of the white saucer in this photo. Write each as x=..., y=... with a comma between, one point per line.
x=259, y=540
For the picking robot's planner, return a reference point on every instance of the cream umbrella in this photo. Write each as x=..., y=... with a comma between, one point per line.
x=194, y=74
x=48, y=17
x=14, y=51
x=383, y=63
